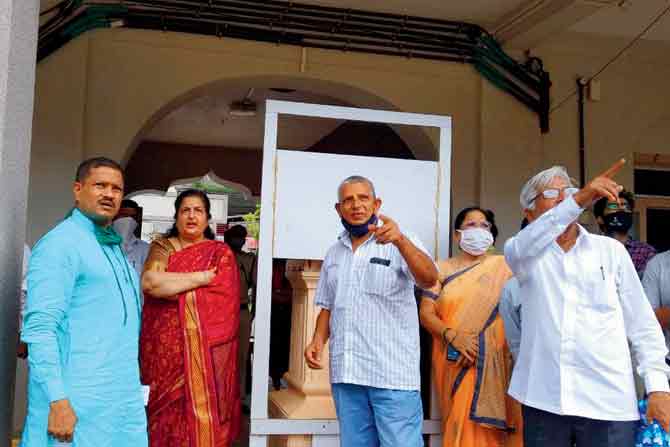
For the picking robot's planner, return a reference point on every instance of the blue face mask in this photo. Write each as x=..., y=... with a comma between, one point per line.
x=359, y=230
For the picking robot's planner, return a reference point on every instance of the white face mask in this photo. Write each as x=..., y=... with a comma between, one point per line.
x=125, y=226
x=475, y=241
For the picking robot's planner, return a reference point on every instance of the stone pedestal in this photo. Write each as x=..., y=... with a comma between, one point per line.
x=308, y=394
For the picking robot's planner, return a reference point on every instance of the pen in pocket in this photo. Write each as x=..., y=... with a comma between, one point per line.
x=602, y=272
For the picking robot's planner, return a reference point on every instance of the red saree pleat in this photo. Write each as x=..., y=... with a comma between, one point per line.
x=188, y=354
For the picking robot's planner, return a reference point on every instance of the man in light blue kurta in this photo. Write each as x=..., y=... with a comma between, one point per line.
x=82, y=325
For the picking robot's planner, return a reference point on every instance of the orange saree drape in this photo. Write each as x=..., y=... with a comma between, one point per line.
x=477, y=412
x=188, y=353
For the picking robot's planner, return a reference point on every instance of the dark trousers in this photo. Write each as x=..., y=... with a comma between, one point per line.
x=543, y=429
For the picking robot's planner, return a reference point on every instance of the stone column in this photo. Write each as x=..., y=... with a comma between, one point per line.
x=308, y=394
x=18, y=49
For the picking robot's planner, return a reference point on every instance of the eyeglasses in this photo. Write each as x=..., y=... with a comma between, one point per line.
x=553, y=193
x=625, y=206
x=472, y=225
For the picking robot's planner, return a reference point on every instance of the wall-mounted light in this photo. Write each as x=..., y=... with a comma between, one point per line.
x=245, y=107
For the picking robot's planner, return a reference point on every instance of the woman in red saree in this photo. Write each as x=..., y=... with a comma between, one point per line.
x=189, y=338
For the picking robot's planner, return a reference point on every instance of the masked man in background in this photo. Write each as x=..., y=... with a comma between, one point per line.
x=126, y=223
x=615, y=220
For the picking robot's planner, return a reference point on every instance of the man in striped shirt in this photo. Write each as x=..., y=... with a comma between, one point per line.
x=369, y=313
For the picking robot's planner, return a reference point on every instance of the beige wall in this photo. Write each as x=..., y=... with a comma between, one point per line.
x=633, y=114
x=58, y=131
x=95, y=95
x=119, y=81
x=98, y=93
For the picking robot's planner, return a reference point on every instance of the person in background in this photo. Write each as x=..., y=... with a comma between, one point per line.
x=583, y=306
x=190, y=324
x=236, y=237
x=280, y=322
x=22, y=348
x=82, y=323
x=471, y=361
x=615, y=219
x=127, y=223
x=656, y=283
x=368, y=311
x=510, y=310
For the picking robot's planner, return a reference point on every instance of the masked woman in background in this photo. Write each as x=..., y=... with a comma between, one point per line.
x=189, y=339
x=471, y=360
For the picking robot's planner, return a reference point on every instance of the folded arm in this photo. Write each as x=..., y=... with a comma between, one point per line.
x=161, y=284
x=169, y=284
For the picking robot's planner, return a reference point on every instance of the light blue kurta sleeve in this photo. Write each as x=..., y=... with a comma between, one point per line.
x=51, y=280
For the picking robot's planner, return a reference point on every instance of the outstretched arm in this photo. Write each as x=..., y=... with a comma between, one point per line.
x=421, y=267
x=544, y=230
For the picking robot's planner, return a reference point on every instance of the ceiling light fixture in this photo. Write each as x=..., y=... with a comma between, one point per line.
x=245, y=107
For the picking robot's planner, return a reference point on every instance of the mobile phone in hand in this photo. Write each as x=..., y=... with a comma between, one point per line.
x=452, y=353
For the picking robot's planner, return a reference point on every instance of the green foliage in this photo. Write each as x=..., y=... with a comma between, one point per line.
x=212, y=188
x=253, y=222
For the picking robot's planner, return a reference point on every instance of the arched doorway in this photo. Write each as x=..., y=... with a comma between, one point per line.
x=213, y=102
x=219, y=128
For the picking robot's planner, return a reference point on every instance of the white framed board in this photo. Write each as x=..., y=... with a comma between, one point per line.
x=306, y=223
x=298, y=221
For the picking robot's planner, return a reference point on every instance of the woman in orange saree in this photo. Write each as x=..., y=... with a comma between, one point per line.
x=471, y=361
x=189, y=338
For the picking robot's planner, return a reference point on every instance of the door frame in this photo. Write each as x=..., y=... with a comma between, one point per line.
x=642, y=204
x=324, y=432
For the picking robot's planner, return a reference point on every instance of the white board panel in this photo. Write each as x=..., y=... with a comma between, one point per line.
x=306, y=223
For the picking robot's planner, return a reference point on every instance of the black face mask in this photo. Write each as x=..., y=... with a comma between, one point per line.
x=619, y=222
x=359, y=230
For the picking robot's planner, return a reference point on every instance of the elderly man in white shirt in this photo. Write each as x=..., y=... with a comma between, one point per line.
x=366, y=292
x=582, y=305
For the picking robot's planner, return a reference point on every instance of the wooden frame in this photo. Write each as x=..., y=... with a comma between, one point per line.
x=642, y=204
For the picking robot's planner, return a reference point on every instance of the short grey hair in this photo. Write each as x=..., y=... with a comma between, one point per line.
x=355, y=179
x=539, y=183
